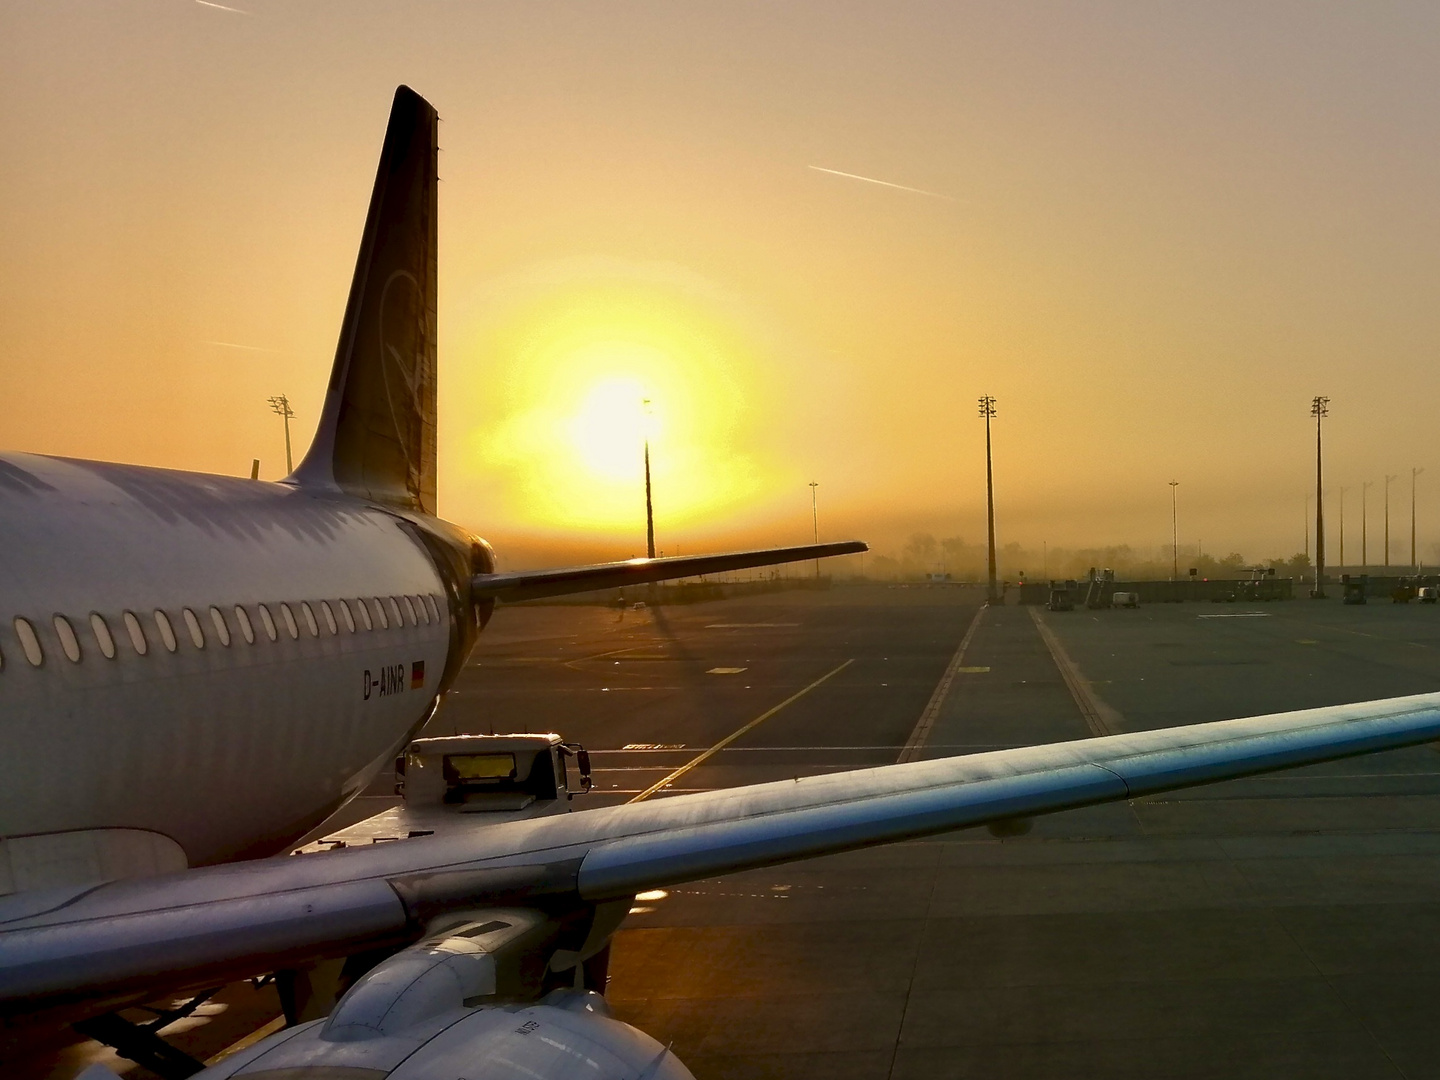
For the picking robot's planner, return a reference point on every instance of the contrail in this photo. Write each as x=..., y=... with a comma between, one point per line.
x=231, y=344
x=882, y=183
x=222, y=7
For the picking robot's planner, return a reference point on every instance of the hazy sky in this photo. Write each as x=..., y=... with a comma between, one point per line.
x=1152, y=231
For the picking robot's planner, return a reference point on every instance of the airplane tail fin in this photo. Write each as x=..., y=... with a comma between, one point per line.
x=376, y=437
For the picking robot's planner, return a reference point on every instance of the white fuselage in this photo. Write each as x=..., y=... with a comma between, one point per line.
x=198, y=749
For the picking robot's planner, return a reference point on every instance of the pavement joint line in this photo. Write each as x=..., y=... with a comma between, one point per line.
x=1100, y=718
x=701, y=758
x=928, y=715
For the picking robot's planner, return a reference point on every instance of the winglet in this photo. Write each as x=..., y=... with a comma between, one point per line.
x=376, y=437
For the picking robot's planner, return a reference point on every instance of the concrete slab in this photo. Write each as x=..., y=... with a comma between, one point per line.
x=1278, y=926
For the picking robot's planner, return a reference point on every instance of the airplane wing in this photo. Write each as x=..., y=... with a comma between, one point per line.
x=534, y=584
x=139, y=937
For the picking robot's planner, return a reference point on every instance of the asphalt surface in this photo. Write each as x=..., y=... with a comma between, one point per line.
x=1275, y=926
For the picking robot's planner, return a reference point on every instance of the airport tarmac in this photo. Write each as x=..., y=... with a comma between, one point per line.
x=1284, y=925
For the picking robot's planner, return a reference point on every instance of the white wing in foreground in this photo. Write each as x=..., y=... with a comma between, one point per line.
x=135, y=937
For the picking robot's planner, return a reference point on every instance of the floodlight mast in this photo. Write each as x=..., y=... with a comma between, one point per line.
x=1414, y=559
x=1342, y=527
x=649, y=506
x=1319, y=408
x=1175, y=534
x=815, y=520
x=1388, y=478
x=987, y=410
x=280, y=405
x=1364, y=523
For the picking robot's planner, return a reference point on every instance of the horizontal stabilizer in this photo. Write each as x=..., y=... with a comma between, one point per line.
x=534, y=584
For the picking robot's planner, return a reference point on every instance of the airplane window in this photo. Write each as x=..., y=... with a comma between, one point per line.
x=409, y=610
x=243, y=618
x=222, y=631
x=380, y=614
x=68, y=641
x=434, y=610
x=329, y=615
x=136, y=632
x=345, y=614
x=310, y=623
x=423, y=610
x=197, y=635
x=267, y=622
x=102, y=635
x=289, y=617
x=29, y=642
x=395, y=611
x=364, y=614
x=167, y=632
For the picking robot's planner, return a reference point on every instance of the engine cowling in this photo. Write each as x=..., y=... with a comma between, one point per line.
x=570, y=1033
x=447, y=1007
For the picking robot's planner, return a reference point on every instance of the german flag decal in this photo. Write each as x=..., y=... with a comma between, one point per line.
x=417, y=675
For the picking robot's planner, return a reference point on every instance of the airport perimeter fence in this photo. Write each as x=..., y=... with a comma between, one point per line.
x=1214, y=590
x=1378, y=584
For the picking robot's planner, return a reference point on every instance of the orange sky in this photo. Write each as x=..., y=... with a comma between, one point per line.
x=1164, y=228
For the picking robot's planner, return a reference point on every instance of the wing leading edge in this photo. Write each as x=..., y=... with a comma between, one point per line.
x=225, y=921
x=536, y=584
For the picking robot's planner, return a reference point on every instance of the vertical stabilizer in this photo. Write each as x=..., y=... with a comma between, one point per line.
x=376, y=437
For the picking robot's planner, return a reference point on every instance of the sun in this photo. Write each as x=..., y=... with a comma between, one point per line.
x=582, y=380
x=610, y=427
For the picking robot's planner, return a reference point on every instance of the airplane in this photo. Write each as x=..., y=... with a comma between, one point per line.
x=196, y=671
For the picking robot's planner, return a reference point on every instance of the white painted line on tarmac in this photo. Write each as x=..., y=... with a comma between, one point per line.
x=1100, y=718
x=747, y=625
x=700, y=759
x=928, y=715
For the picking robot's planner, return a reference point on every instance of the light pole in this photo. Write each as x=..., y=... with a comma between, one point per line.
x=649, y=506
x=1319, y=408
x=280, y=405
x=1174, y=534
x=987, y=410
x=1307, y=527
x=1342, y=526
x=1387, y=517
x=1414, y=563
x=815, y=520
x=1364, y=522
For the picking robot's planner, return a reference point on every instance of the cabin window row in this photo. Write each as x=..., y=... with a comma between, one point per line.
x=270, y=621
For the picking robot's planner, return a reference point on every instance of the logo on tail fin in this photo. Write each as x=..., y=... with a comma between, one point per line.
x=403, y=364
x=377, y=431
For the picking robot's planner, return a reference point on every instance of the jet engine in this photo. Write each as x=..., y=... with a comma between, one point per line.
x=438, y=1010
x=570, y=1033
